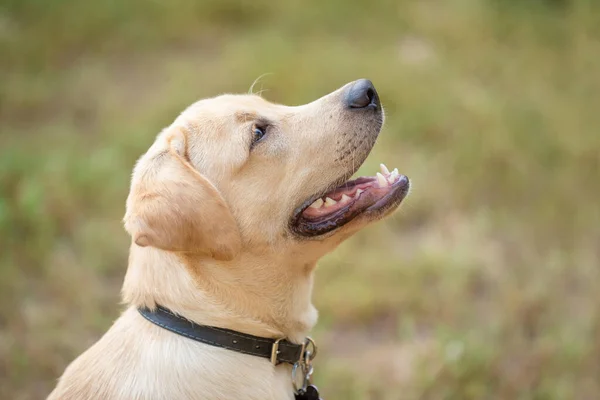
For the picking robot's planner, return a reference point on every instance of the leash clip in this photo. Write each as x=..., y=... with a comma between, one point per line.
x=309, y=352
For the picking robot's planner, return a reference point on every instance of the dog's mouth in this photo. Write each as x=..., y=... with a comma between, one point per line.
x=370, y=196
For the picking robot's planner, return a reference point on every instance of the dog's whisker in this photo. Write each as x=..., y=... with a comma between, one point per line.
x=250, y=91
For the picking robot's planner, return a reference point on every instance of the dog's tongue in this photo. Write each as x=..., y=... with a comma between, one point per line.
x=328, y=206
x=350, y=192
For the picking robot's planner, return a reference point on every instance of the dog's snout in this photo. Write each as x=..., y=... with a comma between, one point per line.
x=362, y=94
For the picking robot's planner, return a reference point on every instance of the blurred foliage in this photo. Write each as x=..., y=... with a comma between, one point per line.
x=483, y=286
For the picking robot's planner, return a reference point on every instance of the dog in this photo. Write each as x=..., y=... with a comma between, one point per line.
x=229, y=211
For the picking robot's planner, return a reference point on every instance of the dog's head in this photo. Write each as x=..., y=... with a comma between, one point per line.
x=235, y=173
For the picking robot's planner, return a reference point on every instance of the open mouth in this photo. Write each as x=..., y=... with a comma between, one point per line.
x=366, y=196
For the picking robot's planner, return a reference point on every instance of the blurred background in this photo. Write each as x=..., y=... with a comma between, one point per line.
x=484, y=285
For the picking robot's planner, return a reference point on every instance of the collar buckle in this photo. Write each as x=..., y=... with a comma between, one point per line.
x=275, y=351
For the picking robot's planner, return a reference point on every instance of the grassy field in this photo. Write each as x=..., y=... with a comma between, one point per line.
x=486, y=283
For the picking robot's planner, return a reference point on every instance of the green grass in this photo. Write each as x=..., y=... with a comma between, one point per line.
x=483, y=286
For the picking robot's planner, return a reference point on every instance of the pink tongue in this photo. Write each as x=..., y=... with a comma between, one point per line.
x=325, y=210
x=365, y=184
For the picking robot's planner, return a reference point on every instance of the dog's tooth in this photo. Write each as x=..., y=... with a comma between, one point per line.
x=358, y=192
x=394, y=176
x=329, y=202
x=381, y=180
x=345, y=198
x=384, y=169
x=317, y=203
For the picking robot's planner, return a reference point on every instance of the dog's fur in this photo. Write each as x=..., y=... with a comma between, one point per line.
x=209, y=220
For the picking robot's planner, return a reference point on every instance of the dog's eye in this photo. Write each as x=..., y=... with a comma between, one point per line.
x=258, y=133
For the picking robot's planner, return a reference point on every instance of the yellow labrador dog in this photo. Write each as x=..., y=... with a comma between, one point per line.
x=229, y=211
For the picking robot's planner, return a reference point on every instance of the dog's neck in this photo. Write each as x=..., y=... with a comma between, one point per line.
x=247, y=295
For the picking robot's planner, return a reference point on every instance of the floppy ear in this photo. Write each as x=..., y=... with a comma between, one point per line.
x=171, y=206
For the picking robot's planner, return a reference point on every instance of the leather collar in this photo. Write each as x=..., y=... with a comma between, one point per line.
x=276, y=350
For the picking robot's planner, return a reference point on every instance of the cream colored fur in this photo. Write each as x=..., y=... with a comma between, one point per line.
x=210, y=241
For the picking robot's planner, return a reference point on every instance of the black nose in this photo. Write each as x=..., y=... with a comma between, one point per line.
x=362, y=94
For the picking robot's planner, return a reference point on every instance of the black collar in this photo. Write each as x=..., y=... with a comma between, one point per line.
x=276, y=350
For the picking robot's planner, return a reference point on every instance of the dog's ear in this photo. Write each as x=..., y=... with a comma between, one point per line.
x=171, y=206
